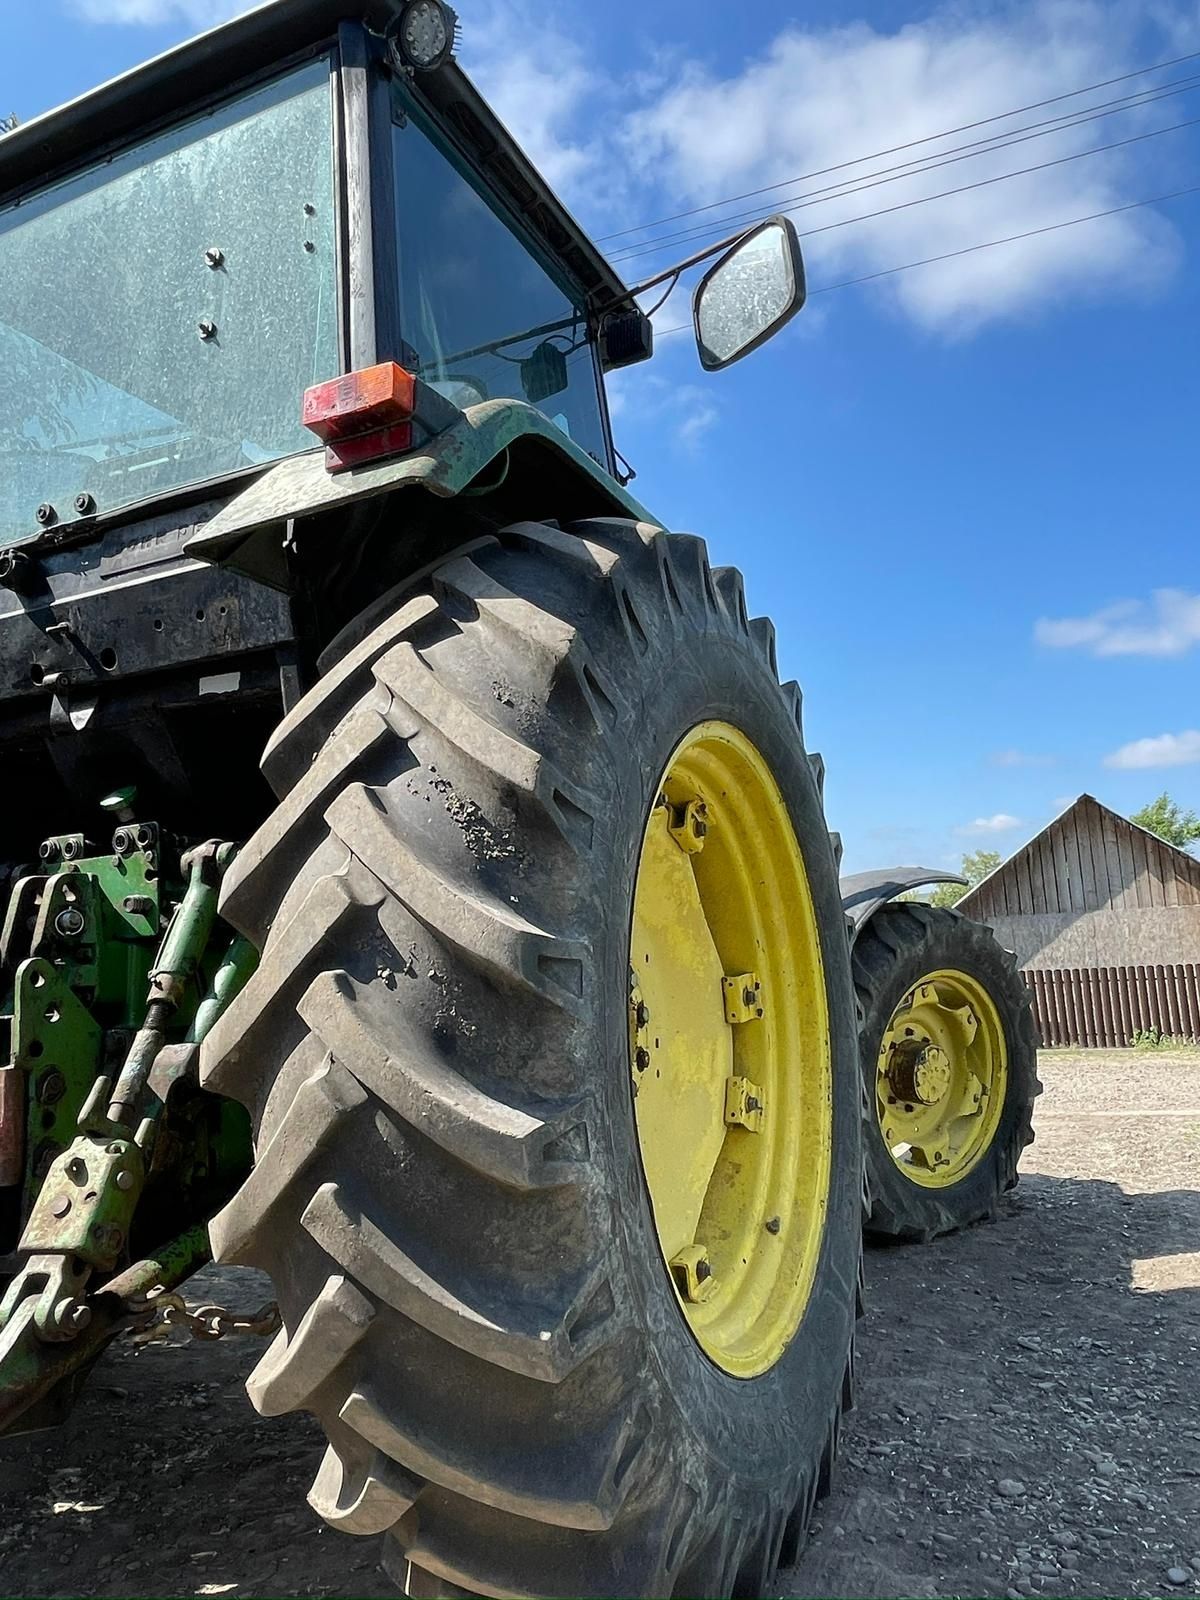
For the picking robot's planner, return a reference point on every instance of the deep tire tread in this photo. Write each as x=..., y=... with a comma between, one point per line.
x=908, y=938
x=354, y=904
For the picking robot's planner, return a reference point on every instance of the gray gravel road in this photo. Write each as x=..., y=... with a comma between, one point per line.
x=1029, y=1411
x=1028, y=1419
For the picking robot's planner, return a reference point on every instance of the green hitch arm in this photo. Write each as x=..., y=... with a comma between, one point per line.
x=236, y=969
x=32, y=1369
x=182, y=950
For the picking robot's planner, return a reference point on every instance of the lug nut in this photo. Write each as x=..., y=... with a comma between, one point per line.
x=85, y=504
x=214, y=257
x=206, y=328
x=642, y=1014
x=46, y=514
x=772, y=1225
x=641, y=1058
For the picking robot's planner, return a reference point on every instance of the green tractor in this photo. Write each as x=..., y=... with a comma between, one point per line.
x=507, y=1011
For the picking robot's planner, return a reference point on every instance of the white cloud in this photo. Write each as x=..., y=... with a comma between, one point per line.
x=698, y=414
x=1000, y=823
x=540, y=83
x=1167, y=625
x=152, y=13
x=1020, y=758
x=1167, y=750
x=668, y=132
x=817, y=96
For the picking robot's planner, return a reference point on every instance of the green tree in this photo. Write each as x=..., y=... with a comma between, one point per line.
x=976, y=865
x=1168, y=821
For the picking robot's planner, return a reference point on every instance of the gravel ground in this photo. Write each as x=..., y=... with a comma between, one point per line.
x=1028, y=1419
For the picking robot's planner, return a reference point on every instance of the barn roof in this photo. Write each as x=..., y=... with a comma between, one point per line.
x=1184, y=865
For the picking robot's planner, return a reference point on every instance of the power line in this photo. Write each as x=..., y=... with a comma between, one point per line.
x=987, y=244
x=929, y=138
x=909, y=169
x=982, y=183
x=838, y=192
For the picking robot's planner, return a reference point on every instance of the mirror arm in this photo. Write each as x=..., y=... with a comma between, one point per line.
x=673, y=273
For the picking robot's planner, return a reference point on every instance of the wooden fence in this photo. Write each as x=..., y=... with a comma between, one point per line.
x=1103, y=1007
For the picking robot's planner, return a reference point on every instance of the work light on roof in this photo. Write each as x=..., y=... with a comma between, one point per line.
x=424, y=35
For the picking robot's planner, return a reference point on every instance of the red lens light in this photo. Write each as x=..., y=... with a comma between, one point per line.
x=362, y=416
x=374, y=398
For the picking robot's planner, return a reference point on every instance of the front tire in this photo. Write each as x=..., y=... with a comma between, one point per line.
x=435, y=1050
x=947, y=1028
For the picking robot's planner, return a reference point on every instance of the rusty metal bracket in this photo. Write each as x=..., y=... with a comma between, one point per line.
x=745, y=1104
x=86, y=1204
x=693, y=1273
x=743, y=997
x=688, y=825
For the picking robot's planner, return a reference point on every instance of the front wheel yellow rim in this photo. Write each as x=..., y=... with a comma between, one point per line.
x=940, y=1078
x=729, y=1049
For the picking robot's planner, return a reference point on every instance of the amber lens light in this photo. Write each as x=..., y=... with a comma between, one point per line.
x=363, y=416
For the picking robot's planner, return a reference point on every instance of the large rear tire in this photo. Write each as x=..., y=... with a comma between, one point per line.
x=435, y=1051
x=947, y=1028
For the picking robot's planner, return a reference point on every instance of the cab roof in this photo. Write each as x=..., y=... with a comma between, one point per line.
x=204, y=69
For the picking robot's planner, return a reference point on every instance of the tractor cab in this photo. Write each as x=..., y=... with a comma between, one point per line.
x=249, y=292
x=180, y=282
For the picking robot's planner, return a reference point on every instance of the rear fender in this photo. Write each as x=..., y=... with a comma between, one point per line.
x=458, y=449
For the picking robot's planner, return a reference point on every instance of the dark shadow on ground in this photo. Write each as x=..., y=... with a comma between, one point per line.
x=1018, y=1350
x=1022, y=1351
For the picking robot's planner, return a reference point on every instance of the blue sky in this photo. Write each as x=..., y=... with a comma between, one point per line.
x=967, y=493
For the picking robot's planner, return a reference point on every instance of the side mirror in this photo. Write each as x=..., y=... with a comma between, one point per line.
x=749, y=294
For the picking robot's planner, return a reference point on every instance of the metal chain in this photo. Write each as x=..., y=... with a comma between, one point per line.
x=204, y=1322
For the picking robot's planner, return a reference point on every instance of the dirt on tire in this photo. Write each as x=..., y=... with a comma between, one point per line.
x=1055, y=1349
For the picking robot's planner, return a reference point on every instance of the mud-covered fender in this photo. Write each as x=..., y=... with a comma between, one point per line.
x=864, y=892
x=456, y=448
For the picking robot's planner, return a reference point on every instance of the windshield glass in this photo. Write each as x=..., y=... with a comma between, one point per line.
x=480, y=315
x=162, y=314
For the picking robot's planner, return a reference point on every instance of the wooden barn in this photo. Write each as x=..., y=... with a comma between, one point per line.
x=1105, y=921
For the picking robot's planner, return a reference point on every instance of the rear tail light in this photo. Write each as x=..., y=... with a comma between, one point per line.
x=362, y=417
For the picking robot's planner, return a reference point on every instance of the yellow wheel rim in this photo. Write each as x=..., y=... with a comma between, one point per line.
x=729, y=1049
x=940, y=1078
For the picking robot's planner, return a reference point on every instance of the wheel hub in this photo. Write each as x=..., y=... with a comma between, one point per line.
x=919, y=1070
x=729, y=1051
x=941, y=1078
